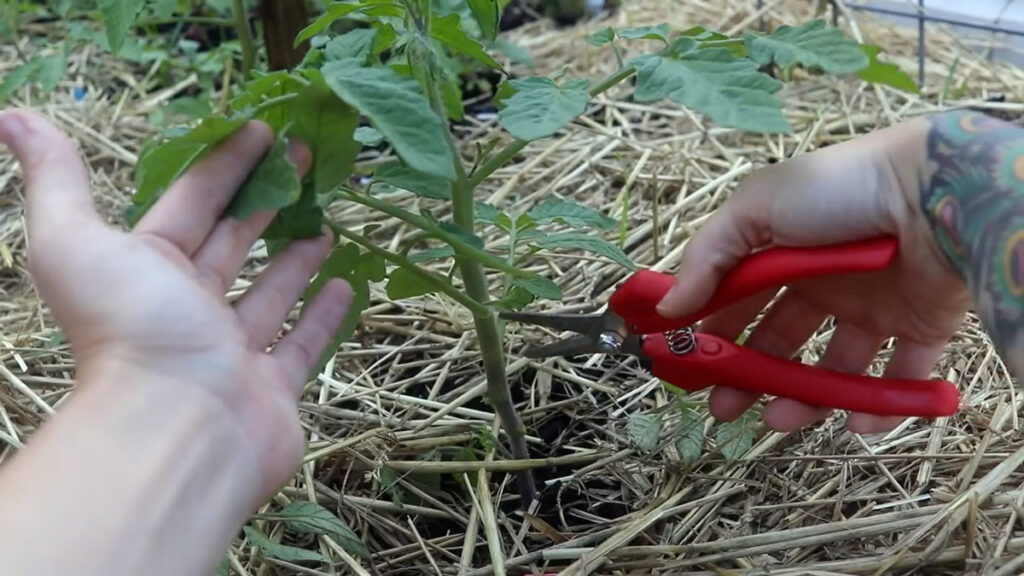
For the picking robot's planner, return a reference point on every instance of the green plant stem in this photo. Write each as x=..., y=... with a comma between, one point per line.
x=723, y=43
x=497, y=161
x=434, y=280
x=508, y=152
x=276, y=101
x=432, y=229
x=492, y=349
x=612, y=80
x=241, y=23
x=488, y=333
x=205, y=20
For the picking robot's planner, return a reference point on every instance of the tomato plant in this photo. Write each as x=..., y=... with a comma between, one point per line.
x=384, y=74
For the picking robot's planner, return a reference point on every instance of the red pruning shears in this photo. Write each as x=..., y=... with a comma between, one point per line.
x=692, y=361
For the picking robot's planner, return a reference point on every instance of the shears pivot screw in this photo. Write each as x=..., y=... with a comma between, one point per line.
x=609, y=342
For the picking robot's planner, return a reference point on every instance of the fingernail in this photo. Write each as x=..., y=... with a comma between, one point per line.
x=667, y=302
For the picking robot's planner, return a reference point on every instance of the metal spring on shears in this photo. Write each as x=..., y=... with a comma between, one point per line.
x=681, y=341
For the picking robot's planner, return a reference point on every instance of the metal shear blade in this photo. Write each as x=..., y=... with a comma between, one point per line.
x=595, y=334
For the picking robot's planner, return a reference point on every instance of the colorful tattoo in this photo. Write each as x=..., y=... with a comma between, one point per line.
x=973, y=196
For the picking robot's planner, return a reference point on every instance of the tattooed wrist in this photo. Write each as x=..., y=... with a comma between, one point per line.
x=972, y=194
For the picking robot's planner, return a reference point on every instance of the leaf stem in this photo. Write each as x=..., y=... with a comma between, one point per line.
x=432, y=229
x=612, y=80
x=241, y=23
x=508, y=152
x=276, y=101
x=205, y=20
x=434, y=280
x=723, y=43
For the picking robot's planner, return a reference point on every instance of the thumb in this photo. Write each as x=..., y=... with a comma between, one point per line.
x=56, y=180
x=739, y=227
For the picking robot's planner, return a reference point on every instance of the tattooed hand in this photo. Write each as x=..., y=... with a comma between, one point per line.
x=972, y=192
x=949, y=187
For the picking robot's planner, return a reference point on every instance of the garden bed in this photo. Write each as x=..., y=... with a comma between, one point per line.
x=401, y=439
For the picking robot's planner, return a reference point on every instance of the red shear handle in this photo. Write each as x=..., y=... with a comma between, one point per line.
x=717, y=361
x=636, y=300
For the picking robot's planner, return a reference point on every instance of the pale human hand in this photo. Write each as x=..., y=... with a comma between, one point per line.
x=147, y=308
x=862, y=188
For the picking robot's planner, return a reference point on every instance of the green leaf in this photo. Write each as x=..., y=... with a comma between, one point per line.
x=368, y=136
x=265, y=87
x=334, y=12
x=273, y=185
x=689, y=435
x=593, y=244
x=401, y=176
x=571, y=214
x=448, y=30
x=502, y=94
x=389, y=483
x=159, y=166
x=432, y=254
x=644, y=430
x=730, y=91
x=340, y=263
x=405, y=284
x=736, y=438
x=451, y=96
x=811, y=45
x=327, y=125
x=372, y=267
x=312, y=518
x=163, y=9
x=487, y=14
x=357, y=44
x=539, y=108
x=735, y=46
x=539, y=286
x=879, y=72
x=50, y=69
x=517, y=298
x=224, y=568
x=398, y=110
x=514, y=52
x=659, y=32
x=484, y=212
x=119, y=17
x=190, y=107
x=601, y=37
x=16, y=78
x=462, y=235
x=47, y=71
x=702, y=34
x=280, y=551
x=303, y=219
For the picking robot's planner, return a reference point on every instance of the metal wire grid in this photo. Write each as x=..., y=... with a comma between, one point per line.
x=923, y=15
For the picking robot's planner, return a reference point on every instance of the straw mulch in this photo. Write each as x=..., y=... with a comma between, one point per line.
x=388, y=417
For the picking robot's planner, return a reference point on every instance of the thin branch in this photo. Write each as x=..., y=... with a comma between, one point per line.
x=432, y=229
x=241, y=24
x=434, y=280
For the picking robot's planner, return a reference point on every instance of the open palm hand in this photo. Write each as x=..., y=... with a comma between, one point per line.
x=152, y=301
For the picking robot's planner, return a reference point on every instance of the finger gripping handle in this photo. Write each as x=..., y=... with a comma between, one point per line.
x=717, y=361
x=637, y=299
